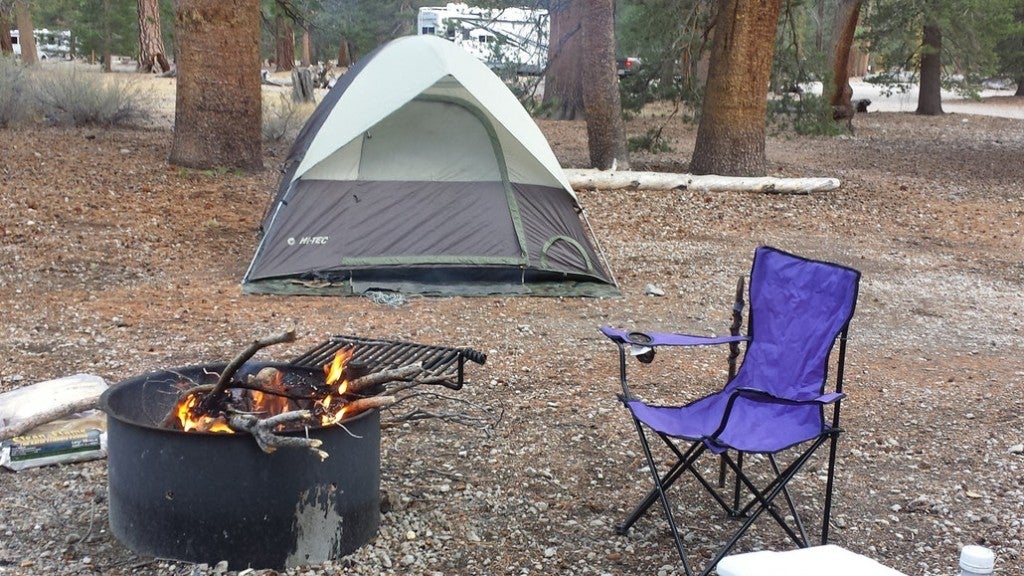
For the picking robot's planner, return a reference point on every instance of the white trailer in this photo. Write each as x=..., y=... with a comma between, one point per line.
x=500, y=37
x=49, y=43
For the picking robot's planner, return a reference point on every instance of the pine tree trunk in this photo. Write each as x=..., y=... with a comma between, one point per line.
x=26, y=37
x=6, y=44
x=929, y=99
x=1020, y=87
x=217, y=113
x=285, y=45
x=606, y=135
x=307, y=47
x=731, y=134
x=344, y=54
x=151, y=41
x=563, y=80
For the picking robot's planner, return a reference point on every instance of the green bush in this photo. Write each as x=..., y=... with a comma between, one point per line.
x=16, y=103
x=69, y=97
x=805, y=114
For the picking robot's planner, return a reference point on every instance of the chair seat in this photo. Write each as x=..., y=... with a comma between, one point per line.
x=814, y=561
x=752, y=426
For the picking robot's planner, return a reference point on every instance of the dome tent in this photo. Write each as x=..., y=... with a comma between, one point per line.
x=420, y=172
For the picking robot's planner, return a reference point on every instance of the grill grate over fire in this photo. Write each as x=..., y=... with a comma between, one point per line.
x=374, y=355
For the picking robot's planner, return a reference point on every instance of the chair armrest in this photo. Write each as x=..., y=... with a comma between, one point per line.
x=762, y=396
x=651, y=339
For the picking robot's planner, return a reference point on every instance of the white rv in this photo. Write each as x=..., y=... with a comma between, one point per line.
x=49, y=43
x=500, y=37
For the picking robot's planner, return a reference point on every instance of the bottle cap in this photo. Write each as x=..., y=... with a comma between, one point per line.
x=977, y=559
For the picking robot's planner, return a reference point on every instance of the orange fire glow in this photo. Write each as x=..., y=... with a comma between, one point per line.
x=200, y=422
x=334, y=372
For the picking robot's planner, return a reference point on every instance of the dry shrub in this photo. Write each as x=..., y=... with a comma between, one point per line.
x=17, y=107
x=283, y=117
x=68, y=96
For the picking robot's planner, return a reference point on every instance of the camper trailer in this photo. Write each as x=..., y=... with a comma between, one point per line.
x=499, y=37
x=49, y=43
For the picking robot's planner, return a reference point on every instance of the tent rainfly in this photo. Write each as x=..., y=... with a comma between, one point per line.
x=421, y=173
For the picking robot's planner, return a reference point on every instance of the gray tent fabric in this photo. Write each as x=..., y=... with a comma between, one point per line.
x=421, y=173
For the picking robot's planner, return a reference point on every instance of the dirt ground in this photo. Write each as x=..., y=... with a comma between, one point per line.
x=114, y=263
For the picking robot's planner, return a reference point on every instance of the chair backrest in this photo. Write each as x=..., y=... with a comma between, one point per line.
x=798, y=307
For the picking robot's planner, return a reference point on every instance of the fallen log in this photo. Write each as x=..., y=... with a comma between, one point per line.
x=590, y=179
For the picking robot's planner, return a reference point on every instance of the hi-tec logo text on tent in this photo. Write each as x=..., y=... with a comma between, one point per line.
x=308, y=240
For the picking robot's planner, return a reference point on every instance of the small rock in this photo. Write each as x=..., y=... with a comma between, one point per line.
x=652, y=290
x=1017, y=449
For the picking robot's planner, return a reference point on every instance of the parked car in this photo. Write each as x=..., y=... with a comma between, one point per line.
x=627, y=66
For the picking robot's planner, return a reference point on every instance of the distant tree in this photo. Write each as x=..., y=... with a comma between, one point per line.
x=218, y=112
x=364, y=24
x=939, y=39
x=671, y=38
x=606, y=137
x=284, y=44
x=563, y=79
x=1010, y=50
x=731, y=134
x=929, y=99
x=26, y=32
x=844, y=26
x=151, y=40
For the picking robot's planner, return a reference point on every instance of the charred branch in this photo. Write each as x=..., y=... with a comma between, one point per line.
x=262, y=429
x=225, y=378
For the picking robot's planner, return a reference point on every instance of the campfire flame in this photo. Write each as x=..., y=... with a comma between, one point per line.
x=190, y=420
x=329, y=407
x=333, y=373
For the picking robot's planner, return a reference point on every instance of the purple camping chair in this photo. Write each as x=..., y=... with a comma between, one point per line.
x=774, y=404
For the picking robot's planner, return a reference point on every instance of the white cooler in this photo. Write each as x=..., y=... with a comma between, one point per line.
x=814, y=561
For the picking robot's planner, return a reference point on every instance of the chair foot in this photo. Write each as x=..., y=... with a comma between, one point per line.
x=621, y=529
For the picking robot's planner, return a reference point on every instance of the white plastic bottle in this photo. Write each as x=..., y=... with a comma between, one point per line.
x=976, y=561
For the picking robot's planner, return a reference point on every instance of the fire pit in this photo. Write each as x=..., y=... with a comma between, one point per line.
x=207, y=497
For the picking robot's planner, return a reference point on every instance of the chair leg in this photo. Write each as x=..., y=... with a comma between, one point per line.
x=683, y=461
x=664, y=499
x=827, y=515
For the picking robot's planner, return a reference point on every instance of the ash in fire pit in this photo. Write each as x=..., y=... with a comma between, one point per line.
x=202, y=496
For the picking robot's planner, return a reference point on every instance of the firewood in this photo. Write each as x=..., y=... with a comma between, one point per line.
x=262, y=429
x=18, y=428
x=360, y=405
x=232, y=367
x=409, y=372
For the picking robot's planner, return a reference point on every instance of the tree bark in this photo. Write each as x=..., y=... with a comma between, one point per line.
x=843, y=27
x=307, y=47
x=151, y=40
x=606, y=136
x=6, y=44
x=1020, y=87
x=285, y=44
x=929, y=98
x=345, y=57
x=218, y=112
x=563, y=80
x=731, y=134
x=26, y=37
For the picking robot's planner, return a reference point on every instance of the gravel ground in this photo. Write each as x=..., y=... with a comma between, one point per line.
x=113, y=263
